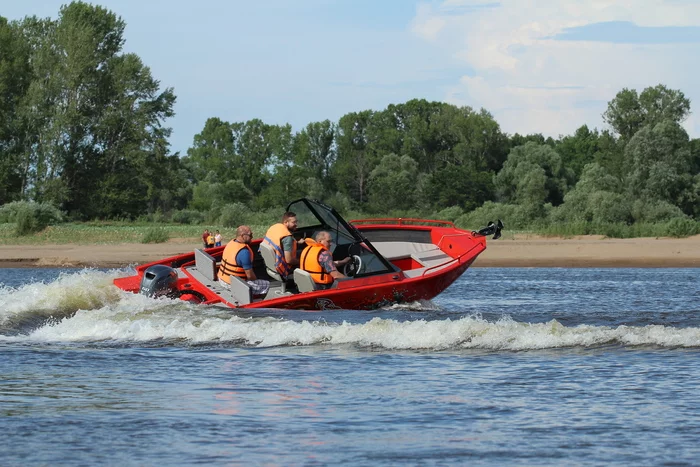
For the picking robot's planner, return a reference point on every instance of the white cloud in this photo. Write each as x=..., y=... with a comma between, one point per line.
x=533, y=83
x=426, y=24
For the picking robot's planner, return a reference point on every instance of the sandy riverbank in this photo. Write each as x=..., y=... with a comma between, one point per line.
x=517, y=251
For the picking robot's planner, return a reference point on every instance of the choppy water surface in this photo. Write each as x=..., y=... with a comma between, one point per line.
x=508, y=366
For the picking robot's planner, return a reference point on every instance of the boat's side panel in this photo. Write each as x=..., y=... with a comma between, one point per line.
x=370, y=297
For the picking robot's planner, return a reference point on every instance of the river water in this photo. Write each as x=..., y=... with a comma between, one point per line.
x=508, y=366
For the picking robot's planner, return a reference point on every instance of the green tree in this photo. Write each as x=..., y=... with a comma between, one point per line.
x=628, y=112
x=314, y=151
x=94, y=117
x=459, y=185
x=658, y=161
x=356, y=157
x=15, y=76
x=520, y=140
x=578, y=149
x=393, y=183
x=533, y=174
x=255, y=143
x=596, y=198
x=212, y=151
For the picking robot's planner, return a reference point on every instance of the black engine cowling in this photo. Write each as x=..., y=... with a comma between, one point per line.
x=158, y=281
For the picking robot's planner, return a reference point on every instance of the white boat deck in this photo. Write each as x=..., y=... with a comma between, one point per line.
x=426, y=254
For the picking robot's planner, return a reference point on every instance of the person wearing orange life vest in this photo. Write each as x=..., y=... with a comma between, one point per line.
x=316, y=259
x=237, y=260
x=279, y=237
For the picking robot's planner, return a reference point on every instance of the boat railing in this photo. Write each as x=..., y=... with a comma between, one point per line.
x=447, y=236
x=403, y=221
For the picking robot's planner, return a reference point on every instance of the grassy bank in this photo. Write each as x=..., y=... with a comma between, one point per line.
x=96, y=233
x=111, y=233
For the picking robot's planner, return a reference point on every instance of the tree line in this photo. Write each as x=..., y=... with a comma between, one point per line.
x=83, y=128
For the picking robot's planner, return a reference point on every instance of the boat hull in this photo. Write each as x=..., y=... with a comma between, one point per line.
x=426, y=259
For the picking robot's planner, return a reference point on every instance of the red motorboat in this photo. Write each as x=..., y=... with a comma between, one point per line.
x=394, y=261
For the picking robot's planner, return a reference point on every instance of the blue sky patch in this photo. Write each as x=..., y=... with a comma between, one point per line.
x=625, y=32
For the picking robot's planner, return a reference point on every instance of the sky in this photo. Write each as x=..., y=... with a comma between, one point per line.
x=539, y=66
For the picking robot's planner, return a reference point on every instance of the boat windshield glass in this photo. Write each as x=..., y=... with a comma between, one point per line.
x=313, y=217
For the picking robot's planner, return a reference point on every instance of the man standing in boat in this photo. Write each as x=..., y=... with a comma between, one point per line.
x=283, y=244
x=237, y=260
x=317, y=260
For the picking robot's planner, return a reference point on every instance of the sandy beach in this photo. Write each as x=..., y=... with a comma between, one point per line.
x=516, y=251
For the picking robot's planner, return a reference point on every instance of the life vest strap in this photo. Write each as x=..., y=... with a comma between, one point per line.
x=280, y=262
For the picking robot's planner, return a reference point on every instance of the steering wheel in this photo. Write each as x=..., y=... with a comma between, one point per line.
x=353, y=267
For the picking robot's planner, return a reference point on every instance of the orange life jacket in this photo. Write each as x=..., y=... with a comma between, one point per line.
x=274, y=237
x=229, y=267
x=309, y=263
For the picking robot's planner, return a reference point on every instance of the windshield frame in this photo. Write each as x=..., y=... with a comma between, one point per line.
x=341, y=228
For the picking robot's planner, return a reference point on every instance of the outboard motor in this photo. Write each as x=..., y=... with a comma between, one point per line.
x=159, y=280
x=493, y=228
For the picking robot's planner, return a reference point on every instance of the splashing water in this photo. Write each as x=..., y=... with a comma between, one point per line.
x=86, y=307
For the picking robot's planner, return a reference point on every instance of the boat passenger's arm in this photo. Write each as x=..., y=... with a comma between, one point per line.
x=342, y=262
x=338, y=275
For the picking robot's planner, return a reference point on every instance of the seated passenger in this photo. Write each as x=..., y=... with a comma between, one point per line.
x=237, y=260
x=317, y=260
x=283, y=244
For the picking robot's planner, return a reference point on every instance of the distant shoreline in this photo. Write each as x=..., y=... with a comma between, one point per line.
x=519, y=251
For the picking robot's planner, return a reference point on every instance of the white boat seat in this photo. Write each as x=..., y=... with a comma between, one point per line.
x=268, y=256
x=205, y=264
x=304, y=281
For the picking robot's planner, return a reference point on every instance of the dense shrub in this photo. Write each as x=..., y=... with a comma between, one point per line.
x=266, y=217
x=188, y=217
x=449, y=214
x=606, y=207
x=655, y=211
x=45, y=213
x=157, y=217
x=514, y=216
x=340, y=202
x=25, y=222
x=155, y=235
x=612, y=230
x=597, y=207
x=30, y=217
x=682, y=227
x=233, y=215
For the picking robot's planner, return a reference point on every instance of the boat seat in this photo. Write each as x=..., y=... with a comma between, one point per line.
x=391, y=250
x=304, y=281
x=241, y=290
x=428, y=255
x=268, y=256
x=205, y=263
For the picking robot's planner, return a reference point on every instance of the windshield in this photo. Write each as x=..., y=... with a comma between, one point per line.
x=314, y=216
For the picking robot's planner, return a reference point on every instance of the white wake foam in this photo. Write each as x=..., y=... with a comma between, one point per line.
x=185, y=323
x=85, y=289
x=86, y=307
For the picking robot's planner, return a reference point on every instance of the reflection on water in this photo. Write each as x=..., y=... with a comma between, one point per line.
x=511, y=366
